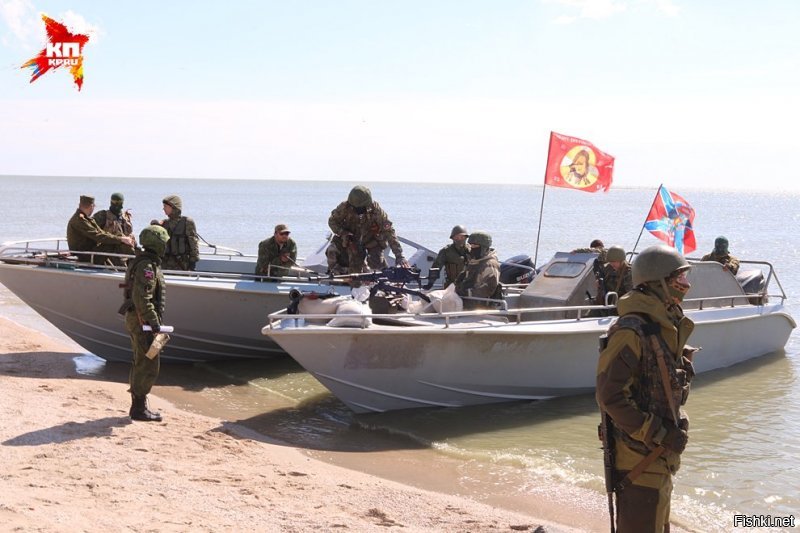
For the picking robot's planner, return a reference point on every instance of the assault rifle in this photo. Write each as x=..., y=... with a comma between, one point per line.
x=390, y=279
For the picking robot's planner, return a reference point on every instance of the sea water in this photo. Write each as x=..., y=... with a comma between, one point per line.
x=743, y=452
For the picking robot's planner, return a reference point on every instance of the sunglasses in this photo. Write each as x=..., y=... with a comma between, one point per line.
x=284, y=233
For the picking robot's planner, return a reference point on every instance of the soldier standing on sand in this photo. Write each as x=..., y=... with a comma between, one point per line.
x=643, y=378
x=145, y=299
x=84, y=235
x=183, y=249
x=453, y=257
x=116, y=222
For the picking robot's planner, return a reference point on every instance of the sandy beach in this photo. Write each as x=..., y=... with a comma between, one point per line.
x=73, y=461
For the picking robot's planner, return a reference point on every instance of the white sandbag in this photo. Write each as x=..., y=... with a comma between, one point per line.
x=350, y=314
x=317, y=306
x=446, y=300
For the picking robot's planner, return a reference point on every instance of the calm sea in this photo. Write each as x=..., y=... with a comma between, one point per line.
x=745, y=437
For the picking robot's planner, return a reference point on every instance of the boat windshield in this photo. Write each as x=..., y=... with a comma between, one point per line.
x=564, y=269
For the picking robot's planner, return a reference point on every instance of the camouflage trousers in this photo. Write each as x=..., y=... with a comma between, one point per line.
x=644, y=505
x=175, y=262
x=352, y=260
x=144, y=371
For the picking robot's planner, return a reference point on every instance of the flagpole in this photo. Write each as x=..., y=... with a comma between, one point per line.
x=541, y=207
x=658, y=191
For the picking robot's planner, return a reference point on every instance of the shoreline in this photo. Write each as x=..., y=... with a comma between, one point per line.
x=65, y=435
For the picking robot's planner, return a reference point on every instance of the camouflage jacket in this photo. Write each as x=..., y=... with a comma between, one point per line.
x=369, y=230
x=183, y=241
x=111, y=223
x=269, y=257
x=482, y=277
x=629, y=385
x=453, y=259
x=83, y=234
x=146, y=291
x=726, y=260
x=614, y=281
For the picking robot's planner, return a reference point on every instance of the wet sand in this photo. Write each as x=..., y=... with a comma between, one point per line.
x=74, y=461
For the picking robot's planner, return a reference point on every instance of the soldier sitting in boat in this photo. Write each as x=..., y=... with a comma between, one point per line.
x=277, y=255
x=361, y=232
x=616, y=275
x=481, y=278
x=116, y=222
x=721, y=255
x=84, y=235
x=452, y=258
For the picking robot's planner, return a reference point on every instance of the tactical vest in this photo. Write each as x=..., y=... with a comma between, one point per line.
x=178, y=243
x=127, y=304
x=648, y=392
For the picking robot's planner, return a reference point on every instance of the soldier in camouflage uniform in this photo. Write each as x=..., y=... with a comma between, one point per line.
x=145, y=299
x=453, y=257
x=595, y=247
x=84, y=235
x=481, y=277
x=616, y=275
x=116, y=222
x=183, y=249
x=277, y=254
x=721, y=255
x=361, y=232
x=643, y=378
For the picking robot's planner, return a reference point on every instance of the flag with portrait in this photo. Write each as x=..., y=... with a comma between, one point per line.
x=577, y=164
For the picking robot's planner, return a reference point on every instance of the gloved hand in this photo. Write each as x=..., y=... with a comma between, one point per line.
x=401, y=261
x=155, y=327
x=675, y=440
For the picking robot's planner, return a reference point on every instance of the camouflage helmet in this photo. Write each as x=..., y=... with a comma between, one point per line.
x=174, y=201
x=458, y=230
x=359, y=196
x=656, y=263
x=481, y=238
x=154, y=238
x=615, y=253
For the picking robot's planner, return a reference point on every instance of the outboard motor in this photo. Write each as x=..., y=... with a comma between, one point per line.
x=518, y=269
x=752, y=281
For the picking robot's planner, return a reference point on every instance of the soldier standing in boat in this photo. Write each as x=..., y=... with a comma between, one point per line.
x=145, y=299
x=453, y=257
x=278, y=254
x=183, y=249
x=643, y=378
x=116, y=222
x=84, y=235
x=721, y=255
x=361, y=232
x=616, y=275
x=481, y=277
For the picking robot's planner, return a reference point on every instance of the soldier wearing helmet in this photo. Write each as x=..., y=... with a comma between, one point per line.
x=361, y=233
x=643, y=378
x=616, y=275
x=721, y=255
x=453, y=257
x=183, y=249
x=145, y=297
x=481, y=277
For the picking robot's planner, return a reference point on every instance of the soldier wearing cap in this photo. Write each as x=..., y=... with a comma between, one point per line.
x=481, y=277
x=84, y=235
x=453, y=257
x=183, y=249
x=721, y=255
x=361, y=232
x=643, y=378
x=277, y=254
x=116, y=222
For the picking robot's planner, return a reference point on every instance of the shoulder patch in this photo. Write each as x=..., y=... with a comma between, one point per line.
x=148, y=273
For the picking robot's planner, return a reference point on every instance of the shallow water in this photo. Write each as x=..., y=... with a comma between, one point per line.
x=745, y=436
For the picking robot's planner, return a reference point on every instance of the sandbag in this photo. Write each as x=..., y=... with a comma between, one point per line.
x=318, y=306
x=446, y=300
x=350, y=314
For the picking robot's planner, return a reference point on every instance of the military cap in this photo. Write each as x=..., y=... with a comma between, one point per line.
x=281, y=228
x=117, y=197
x=87, y=200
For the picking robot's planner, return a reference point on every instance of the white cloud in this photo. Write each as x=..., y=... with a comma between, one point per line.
x=21, y=19
x=77, y=24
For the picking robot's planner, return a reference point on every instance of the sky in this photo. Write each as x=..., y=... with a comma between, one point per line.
x=686, y=93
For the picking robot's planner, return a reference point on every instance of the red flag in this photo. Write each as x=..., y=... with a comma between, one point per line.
x=576, y=164
x=671, y=219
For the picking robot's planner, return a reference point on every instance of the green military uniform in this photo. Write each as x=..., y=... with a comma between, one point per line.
x=183, y=248
x=630, y=390
x=481, y=277
x=453, y=259
x=115, y=224
x=724, y=259
x=270, y=254
x=84, y=235
x=614, y=280
x=362, y=231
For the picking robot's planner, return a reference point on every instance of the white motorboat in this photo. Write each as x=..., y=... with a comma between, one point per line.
x=217, y=311
x=540, y=345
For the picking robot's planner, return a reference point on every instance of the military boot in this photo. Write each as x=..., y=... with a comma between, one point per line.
x=139, y=410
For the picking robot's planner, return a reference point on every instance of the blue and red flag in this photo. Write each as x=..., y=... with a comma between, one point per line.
x=671, y=219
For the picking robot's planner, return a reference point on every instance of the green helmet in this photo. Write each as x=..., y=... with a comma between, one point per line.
x=482, y=239
x=174, y=201
x=154, y=238
x=615, y=253
x=458, y=230
x=656, y=263
x=360, y=196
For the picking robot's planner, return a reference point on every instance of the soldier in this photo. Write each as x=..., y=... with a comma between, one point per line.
x=277, y=254
x=84, y=235
x=183, y=248
x=481, y=277
x=721, y=255
x=116, y=222
x=595, y=247
x=643, y=377
x=361, y=232
x=145, y=298
x=616, y=275
x=453, y=257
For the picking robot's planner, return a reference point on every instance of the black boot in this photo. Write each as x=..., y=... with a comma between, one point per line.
x=139, y=410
